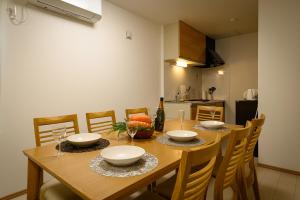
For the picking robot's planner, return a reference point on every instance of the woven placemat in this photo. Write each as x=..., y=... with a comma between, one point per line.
x=165, y=139
x=66, y=146
x=147, y=163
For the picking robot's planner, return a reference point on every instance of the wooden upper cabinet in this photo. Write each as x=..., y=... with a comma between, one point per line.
x=191, y=43
x=184, y=41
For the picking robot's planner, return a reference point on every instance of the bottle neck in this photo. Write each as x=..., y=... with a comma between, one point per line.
x=161, y=104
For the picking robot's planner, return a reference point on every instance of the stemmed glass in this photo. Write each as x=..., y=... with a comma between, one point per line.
x=59, y=133
x=181, y=118
x=131, y=130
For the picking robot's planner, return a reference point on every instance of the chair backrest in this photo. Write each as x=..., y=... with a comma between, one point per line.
x=253, y=137
x=132, y=111
x=43, y=131
x=100, y=122
x=226, y=175
x=192, y=184
x=209, y=113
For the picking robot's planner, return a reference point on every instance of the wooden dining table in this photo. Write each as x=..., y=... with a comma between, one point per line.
x=72, y=169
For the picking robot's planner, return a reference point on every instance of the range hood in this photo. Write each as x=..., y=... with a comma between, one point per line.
x=186, y=46
x=213, y=59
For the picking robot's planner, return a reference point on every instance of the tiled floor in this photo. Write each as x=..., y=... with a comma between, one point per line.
x=274, y=185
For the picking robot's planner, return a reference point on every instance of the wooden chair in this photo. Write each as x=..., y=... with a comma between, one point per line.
x=136, y=111
x=206, y=113
x=43, y=133
x=250, y=179
x=100, y=122
x=53, y=189
x=227, y=175
x=190, y=183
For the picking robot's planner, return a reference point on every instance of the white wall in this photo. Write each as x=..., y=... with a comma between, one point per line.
x=278, y=82
x=240, y=70
x=176, y=76
x=55, y=65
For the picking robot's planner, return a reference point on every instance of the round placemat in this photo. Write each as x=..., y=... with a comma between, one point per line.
x=144, y=165
x=66, y=146
x=165, y=139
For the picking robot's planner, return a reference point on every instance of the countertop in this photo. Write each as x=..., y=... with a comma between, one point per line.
x=196, y=102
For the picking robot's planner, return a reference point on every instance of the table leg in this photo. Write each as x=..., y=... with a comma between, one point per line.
x=218, y=163
x=34, y=180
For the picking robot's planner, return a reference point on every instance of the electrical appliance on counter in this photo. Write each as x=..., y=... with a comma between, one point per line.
x=250, y=94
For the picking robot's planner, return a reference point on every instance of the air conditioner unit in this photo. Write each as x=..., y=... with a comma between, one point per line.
x=87, y=10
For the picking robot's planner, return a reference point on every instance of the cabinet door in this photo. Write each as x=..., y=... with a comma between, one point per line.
x=191, y=43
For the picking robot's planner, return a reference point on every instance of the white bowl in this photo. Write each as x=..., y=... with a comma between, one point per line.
x=122, y=155
x=182, y=135
x=84, y=139
x=212, y=124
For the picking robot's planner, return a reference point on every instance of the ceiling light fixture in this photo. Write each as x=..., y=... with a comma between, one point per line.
x=221, y=72
x=181, y=63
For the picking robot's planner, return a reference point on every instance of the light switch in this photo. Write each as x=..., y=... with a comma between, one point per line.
x=129, y=35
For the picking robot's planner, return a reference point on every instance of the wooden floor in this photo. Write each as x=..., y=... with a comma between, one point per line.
x=274, y=185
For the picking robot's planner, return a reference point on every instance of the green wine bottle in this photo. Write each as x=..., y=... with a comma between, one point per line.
x=160, y=116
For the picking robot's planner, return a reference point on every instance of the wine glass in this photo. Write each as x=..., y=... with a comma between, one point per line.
x=181, y=118
x=59, y=133
x=131, y=129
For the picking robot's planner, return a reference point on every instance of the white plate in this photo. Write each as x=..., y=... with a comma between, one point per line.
x=182, y=135
x=122, y=155
x=212, y=124
x=84, y=139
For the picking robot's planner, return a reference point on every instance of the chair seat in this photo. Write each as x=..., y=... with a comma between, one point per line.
x=165, y=189
x=55, y=190
x=149, y=196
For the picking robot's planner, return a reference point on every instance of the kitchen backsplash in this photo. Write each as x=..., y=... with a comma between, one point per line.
x=176, y=76
x=211, y=78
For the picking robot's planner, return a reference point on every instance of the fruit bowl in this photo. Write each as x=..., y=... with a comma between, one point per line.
x=143, y=124
x=144, y=134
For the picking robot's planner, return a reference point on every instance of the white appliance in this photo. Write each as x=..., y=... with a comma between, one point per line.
x=87, y=10
x=250, y=94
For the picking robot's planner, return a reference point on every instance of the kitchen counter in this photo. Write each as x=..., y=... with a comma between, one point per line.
x=189, y=106
x=197, y=101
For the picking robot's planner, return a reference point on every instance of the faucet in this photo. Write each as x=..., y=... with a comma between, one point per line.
x=177, y=96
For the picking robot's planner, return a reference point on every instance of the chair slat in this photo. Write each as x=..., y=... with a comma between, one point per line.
x=103, y=126
x=101, y=130
x=104, y=122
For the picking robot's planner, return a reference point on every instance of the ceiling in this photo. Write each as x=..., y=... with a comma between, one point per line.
x=211, y=17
